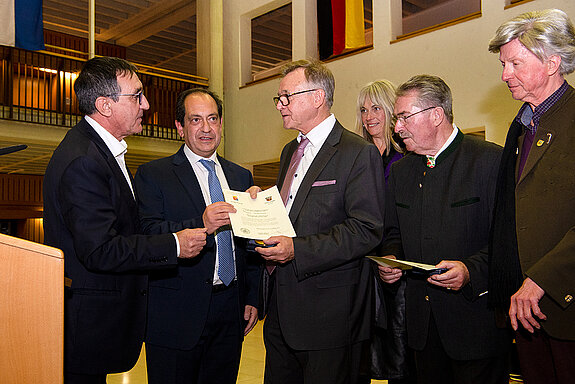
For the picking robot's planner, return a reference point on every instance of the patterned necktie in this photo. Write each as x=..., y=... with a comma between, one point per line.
x=224, y=237
x=294, y=162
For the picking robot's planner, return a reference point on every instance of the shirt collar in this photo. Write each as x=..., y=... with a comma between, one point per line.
x=447, y=143
x=320, y=132
x=526, y=115
x=194, y=158
x=117, y=148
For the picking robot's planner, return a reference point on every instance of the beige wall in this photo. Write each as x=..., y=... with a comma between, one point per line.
x=458, y=54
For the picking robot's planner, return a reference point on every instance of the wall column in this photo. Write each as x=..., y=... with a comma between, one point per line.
x=210, y=43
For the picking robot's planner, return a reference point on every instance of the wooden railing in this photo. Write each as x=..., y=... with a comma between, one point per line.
x=37, y=87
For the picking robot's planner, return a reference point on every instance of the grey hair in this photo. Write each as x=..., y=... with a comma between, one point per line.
x=382, y=93
x=544, y=33
x=432, y=91
x=316, y=74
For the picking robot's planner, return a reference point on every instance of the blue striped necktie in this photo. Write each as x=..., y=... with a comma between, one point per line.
x=224, y=237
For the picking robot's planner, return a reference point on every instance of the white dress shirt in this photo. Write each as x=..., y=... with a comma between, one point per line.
x=118, y=148
x=316, y=137
x=202, y=176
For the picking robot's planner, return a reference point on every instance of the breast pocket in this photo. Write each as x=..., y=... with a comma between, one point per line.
x=322, y=209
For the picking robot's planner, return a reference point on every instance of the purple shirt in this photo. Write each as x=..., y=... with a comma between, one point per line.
x=526, y=116
x=388, y=160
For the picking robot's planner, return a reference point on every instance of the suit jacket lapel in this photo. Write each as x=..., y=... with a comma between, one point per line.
x=326, y=152
x=110, y=159
x=234, y=182
x=544, y=137
x=185, y=173
x=542, y=141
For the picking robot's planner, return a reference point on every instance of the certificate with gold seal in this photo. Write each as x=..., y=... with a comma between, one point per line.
x=259, y=218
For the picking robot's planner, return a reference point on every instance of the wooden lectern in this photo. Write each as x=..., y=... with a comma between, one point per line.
x=31, y=312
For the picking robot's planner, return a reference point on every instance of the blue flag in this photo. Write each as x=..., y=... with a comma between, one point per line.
x=21, y=24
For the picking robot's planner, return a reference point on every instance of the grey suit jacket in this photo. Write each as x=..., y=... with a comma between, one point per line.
x=324, y=294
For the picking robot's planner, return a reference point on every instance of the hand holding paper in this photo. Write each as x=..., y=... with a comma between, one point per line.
x=259, y=218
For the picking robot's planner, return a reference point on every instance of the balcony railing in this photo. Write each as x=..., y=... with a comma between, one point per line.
x=37, y=87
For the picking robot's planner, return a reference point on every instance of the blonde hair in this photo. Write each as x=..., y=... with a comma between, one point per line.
x=382, y=93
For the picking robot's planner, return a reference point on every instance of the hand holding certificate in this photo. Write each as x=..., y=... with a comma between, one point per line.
x=424, y=269
x=259, y=218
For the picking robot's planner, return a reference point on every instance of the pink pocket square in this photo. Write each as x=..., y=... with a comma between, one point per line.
x=321, y=183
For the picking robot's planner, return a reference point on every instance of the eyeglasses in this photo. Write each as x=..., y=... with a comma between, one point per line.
x=284, y=99
x=403, y=118
x=137, y=96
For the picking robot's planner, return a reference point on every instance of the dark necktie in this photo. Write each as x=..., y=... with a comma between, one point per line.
x=224, y=237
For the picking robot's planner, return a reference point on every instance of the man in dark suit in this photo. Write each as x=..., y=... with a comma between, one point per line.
x=90, y=213
x=319, y=307
x=197, y=316
x=438, y=212
x=532, y=270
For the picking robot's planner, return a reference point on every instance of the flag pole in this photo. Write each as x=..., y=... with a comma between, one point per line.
x=91, y=28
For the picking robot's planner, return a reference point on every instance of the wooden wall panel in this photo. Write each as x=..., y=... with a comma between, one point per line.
x=265, y=174
x=21, y=190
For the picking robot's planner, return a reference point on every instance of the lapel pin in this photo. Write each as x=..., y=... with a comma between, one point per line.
x=549, y=137
x=540, y=143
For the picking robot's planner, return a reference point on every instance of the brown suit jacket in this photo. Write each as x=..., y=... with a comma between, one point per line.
x=545, y=214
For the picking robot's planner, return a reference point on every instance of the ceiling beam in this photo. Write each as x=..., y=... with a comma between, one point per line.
x=149, y=22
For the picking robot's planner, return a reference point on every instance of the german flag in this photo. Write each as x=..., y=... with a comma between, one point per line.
x=340, y=26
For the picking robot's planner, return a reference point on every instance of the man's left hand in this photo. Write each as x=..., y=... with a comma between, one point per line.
x=251, y=316
x=525, y=305
x=281, y=253
x=455, y=278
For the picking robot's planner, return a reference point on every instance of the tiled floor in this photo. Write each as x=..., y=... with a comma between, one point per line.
x=251, y=366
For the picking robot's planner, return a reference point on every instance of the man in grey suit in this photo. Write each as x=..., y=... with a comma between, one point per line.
x=318, y=312
x=438, y=211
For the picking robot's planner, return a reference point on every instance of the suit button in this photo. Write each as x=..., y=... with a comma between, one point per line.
x=568, y=298
x=144, y=292
x=426, y=298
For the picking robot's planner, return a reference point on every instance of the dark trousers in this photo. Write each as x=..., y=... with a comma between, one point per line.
x=434, y=366
x=285, y=365
x=215, y=359
x=545, y=360
x=76, y=378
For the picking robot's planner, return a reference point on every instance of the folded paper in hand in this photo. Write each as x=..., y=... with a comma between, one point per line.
x=401, y=264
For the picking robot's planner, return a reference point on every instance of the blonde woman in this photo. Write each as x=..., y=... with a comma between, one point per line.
x=374, y=111
x=389, y=358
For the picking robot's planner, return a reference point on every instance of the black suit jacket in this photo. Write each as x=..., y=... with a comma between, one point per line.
x=444, y=213
x=170, y=200
x=324, y=294
x=90, y=213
